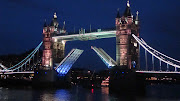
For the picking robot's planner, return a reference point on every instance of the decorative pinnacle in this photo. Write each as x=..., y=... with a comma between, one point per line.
x=118, y=9
x=137, y=13
x=128, y=3
x=55, y=16
x=64, y=22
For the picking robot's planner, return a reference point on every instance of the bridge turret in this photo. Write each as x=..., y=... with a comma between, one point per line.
x=54, y=21
x=127, y=49
x=128, y=17
x=137, y=18
x=58, y=46
x=118, y=14
x=118, y=17
x=63, y=30
x=128, y=10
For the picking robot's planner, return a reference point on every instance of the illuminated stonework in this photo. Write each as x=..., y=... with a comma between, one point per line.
x=47, y=61
x=127, y=49
x=58, y=50
x=53, y=50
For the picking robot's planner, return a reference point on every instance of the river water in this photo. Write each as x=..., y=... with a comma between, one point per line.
x=155, y=92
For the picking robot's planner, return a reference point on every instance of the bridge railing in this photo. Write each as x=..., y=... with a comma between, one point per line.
x=160, y=56
x=19, y=66
x=89, y=31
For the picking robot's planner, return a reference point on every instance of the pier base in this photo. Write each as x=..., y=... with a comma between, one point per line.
x=122, y=79
x=50, y=78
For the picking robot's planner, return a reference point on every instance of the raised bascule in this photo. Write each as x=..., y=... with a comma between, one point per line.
x=53, y=68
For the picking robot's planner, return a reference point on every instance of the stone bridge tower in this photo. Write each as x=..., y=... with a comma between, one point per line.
x=53, y=50
x=127, y=49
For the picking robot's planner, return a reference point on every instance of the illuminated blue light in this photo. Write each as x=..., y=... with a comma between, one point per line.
x=45, y=72
x=37, y=72
x=134, y=64
x=64, y=67
x=122, y=72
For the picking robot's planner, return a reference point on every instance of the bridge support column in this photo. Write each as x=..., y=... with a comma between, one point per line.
x=58, y=50
x=127, y=48
x=146, y=60
x=167, y=67
x=122, y=79
x=125, y=80
x=175, y=69
x=53, y=52
x=50, y=78
x=29, y=64
x=160, y=64
x=153, y=62
x=25, y=66
x=37, y=56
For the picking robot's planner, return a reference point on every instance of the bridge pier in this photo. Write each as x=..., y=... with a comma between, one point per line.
x=123, y=76
x=58, y=50
x=53, y=52
x=50, y=78
x=122, y=79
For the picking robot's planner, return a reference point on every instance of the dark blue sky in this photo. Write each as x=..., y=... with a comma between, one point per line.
x=21, y=23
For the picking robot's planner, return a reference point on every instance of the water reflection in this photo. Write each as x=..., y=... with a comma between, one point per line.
x=105, y=93
x=105, y=90
x=15, y=94
x=152, y=93
x=62, y=95
x=92, y=90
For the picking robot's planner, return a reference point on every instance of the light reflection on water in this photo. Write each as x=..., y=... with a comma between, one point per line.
x=152, y=93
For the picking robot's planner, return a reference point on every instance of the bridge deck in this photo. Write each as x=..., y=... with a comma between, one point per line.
x=26, y=72
x=87, y=36
x=159, y=72
x=139, y=71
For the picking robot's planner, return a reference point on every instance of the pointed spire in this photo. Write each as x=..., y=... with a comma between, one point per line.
x=45, y=24
x=54, y=21
x=64, y=25
x=137, y=18
x=128, y=10
x=137, y=15
x=118, y=15
x=128, y=5
x=55, y=16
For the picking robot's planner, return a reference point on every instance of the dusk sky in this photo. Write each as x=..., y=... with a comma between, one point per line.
x=21, y=24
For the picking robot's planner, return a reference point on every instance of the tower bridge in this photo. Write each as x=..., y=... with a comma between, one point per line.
x=55, y=65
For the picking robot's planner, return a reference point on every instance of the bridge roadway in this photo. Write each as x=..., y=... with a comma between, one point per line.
x=86, y=36
x=158, y=72
x=25, y=72
x=138, y=71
